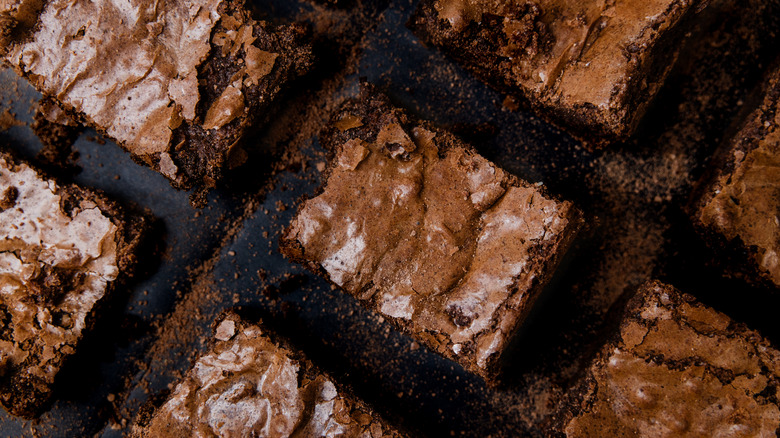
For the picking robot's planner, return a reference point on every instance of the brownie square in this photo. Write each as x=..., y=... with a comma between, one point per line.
x=676, y=367
x=735, y=207
x=65, y=250
x=251, y=384
x=177, y=85
x=426, y=232
x=591, y=67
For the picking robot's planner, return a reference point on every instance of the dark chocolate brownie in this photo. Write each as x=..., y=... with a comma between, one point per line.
x=591, y=67
x=737, y=204
x=676, y=368
x=177, y=83
x=423, y=230
x=251, y=384
x=65, y=250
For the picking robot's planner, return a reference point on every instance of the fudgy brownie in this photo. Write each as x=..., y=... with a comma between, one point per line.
x=591, y=67
x=419, y=227
x=64, y=250
x=176, y=83
x=676, y=368
x=737, y=203
x=249, y=384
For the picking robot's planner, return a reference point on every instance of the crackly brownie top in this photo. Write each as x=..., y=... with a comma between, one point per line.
x=578, y=51
x=680, y=368
x=131, y=67
x=247, y=385
x=745, y=199
x=433, y=233
x=57, y=255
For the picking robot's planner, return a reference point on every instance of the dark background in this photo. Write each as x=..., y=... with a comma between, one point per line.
x=226, y=254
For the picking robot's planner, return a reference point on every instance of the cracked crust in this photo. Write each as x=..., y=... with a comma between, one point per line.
x=426, y=232
x=676, y=368
x=177, y=85
x=65, y=251
x=251, y=384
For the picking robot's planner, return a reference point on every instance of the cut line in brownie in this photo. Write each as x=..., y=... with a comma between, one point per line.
x=249, y=383
x=64, y=251
x=736, y=207
x=424, y=231
x=176, y=83
x=591, y=67
x=675, y=367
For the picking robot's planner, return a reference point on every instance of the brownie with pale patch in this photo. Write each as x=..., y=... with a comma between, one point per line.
x=178, y=84
x=420, y=228
x=251, y=383
x=64, y=253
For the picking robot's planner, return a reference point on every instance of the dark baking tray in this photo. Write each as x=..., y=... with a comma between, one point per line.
x=226, y=254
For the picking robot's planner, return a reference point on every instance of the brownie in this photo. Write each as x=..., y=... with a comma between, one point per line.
x=251, y=384
x=676, y=367
x=591, y=67
x=736, y=206
x=65, y=250
x=176, y=84
x=426, y=232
